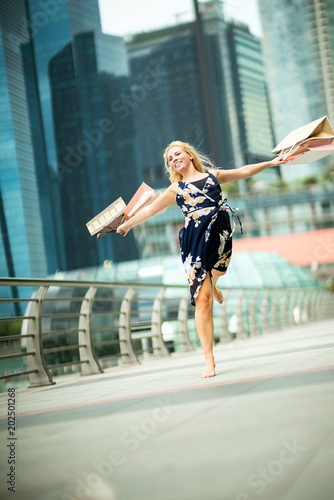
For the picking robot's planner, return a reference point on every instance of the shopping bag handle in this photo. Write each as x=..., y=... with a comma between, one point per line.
x=293, y=157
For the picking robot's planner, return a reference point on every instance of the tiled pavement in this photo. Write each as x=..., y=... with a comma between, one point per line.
x=263, y=428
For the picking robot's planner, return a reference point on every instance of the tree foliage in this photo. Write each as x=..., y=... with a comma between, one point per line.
x=8, y=328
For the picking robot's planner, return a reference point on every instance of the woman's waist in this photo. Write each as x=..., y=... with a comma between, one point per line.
x=221, y=208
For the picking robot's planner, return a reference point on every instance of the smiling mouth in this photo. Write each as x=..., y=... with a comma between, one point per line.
x=178, y=163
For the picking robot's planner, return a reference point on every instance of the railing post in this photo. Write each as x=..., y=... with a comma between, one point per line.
x=274, y=311
x=292, y=302
x=320, y=305
x=91, y=365
x=307, y=306
x=300, y=306
x=253, y=328
x=42, y=376
x=185, y=344
x=313, y=305
x=242, y=334
x=326, y=305
x=284, y=311
x=331, y=304
x=158, y=344
x=264, y=312
x=128, y=356
x=224, y=333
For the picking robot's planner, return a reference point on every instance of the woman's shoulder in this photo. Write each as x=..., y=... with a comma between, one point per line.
x=173, y=187
x=218, y=174
x=214, y=172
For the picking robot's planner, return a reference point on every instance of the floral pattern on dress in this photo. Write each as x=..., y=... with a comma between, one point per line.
x=205, y=239
x=191, y=267
x=196, y=215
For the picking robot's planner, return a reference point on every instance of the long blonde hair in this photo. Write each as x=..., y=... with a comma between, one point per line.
x=201, y=162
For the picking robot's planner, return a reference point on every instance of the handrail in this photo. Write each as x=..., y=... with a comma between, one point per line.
x=124, y=324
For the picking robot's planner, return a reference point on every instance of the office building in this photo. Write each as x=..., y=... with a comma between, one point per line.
x=93, y=71
x=94, y=143
x=27, y=225
x=298, y=44
x=43, y=209
x=253, y=123
x=177, y=108
x=173, y=108
x=53, y=24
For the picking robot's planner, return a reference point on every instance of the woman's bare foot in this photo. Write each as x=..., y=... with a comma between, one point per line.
x=218, y=295
x=209, y=368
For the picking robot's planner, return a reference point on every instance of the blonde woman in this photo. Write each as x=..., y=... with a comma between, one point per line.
x=206, y=238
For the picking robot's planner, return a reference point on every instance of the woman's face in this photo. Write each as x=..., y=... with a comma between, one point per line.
x=179, y=160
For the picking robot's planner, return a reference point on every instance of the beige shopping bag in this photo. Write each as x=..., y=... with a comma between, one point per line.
x=111, y=217
x=307, y=144
x=107, y=220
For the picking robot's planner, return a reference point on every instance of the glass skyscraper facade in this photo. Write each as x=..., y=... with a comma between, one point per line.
x=95, y=146
x=211, y=17
x=175, y=109
x=45, y=117
x=67, y=37
x=253, y=125
x=298, y=47
x=53, y=24
x=27, y=230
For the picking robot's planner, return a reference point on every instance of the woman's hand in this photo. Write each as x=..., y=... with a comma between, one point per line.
x=277, y=161
x=124, y=228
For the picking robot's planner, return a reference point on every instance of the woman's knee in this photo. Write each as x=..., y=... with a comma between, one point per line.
x=217, y=274
x=204, y=301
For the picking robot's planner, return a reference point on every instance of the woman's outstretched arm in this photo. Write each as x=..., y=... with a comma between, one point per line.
x=161, y=203
x=245, y=172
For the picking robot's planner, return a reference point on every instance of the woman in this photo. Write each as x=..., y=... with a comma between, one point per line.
x=206, y=238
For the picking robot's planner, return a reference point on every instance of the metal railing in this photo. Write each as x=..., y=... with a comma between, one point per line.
x=67, y=324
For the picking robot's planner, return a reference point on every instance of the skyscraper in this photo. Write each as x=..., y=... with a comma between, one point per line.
x=67, y=35
x=298, y=43
x=27, y=230
x=189, y=62
x=176, y=108
x=53, y=24
x=42, y=226
x=253, y=125
x=95, y=146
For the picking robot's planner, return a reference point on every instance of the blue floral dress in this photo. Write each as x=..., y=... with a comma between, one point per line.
x=206, y=238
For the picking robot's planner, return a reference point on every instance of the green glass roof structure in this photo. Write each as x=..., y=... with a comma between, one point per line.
x=247, y=270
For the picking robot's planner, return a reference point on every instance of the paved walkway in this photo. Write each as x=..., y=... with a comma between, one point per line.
x=263, y=428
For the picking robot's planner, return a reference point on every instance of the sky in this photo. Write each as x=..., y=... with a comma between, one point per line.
x=125, y=17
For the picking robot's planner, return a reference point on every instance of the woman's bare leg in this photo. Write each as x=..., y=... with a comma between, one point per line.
x=204, y=325
x=217, y=294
